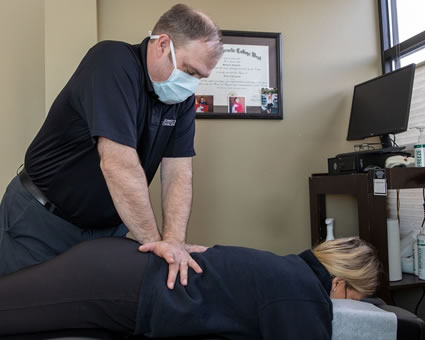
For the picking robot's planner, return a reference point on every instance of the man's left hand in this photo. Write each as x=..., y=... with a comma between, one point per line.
x=177, y=256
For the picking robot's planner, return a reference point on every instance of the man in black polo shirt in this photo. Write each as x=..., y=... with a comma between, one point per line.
x=126, y=109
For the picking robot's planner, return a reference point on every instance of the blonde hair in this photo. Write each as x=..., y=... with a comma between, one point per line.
x=353, y=260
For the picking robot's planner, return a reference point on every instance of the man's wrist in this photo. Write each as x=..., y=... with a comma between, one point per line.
x=143, y=237
x=170, y=235
x=151, y=239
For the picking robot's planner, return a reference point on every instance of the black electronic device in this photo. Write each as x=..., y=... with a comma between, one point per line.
x=381, y=106
x=356, y=162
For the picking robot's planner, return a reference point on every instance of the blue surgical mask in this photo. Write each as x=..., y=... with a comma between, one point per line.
x=178, y=87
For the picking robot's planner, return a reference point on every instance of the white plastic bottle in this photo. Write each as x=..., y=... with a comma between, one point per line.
x=421, y=255
x=420, y=148
x=329, y=229
x=406, y=244
x=415, y=258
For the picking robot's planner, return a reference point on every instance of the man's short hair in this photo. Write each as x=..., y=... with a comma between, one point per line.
x=183, y=24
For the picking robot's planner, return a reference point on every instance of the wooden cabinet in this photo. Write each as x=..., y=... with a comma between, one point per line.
x=372, y=212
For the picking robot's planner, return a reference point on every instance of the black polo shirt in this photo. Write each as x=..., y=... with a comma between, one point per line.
x=110, y=95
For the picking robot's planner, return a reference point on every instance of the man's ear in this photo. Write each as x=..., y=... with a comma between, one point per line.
x=162, y=45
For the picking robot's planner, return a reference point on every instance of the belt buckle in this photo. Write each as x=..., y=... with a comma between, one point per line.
x=50, y=207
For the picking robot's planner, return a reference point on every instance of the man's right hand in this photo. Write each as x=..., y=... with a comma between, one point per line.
x=177, y=257
x=195, y=248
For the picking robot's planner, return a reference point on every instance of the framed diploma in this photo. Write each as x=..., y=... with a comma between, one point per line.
x=247, y=81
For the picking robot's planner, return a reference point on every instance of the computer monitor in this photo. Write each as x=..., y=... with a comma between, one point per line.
x=381, y=106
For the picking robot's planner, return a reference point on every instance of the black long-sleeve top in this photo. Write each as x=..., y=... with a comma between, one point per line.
x=241, y=294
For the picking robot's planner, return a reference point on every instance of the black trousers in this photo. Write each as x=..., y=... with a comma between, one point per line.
x=30, y=234
x=95, y=284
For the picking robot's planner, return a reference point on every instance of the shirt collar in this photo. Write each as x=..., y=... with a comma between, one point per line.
x=318, y=269
x=143, y=52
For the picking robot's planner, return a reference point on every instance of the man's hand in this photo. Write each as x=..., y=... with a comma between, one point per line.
x=177, y=256
x=194, y=248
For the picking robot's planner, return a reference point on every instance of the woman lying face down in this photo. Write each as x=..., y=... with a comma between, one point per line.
x=242, y=293
x=353, y=267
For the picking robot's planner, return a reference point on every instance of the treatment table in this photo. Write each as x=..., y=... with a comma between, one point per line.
x=368, y=319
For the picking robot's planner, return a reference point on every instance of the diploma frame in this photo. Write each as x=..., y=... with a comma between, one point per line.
x=274, y=42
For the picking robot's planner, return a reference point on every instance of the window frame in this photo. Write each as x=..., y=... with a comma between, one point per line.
x=393, y=54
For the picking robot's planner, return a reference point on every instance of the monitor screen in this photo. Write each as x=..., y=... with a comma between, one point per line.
x=381, y=105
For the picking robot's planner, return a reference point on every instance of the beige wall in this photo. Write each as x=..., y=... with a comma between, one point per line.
x=70, y=30
x=251, y=177
x=42, y=44
x=21, y=81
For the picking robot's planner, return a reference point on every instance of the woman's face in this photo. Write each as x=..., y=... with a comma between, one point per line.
x=340, y=290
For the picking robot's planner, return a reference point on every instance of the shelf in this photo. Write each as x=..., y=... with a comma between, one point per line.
x=397, y=178
x=408, y=281
x=372, y=213
x=405, y=178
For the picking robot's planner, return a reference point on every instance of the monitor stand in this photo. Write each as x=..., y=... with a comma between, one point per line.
x=388, y=145
x=386, y=141
x=388, y=148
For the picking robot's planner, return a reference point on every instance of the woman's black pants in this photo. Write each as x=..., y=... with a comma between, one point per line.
x=95, y=284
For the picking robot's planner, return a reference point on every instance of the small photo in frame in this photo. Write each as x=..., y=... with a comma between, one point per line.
x=269, y=101
x=237, y=105
x=204, y=103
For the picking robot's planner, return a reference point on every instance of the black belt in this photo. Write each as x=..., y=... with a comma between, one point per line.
x=41, y=198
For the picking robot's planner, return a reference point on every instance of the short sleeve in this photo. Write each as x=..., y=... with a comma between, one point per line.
x=106, y=90
x=303, y=320
x=181, y=142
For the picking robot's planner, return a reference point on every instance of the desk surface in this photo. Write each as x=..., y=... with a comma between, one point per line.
x=397, y=178
x=408, y=281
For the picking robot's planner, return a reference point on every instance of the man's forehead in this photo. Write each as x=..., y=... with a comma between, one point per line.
x=197, y=55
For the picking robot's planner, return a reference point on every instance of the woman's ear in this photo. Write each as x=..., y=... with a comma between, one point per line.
x=338, y=287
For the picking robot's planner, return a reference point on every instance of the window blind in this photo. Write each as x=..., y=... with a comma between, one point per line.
x=411, y=200
x=417, y=109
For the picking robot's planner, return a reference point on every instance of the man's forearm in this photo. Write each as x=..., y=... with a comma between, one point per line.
x=129, y=190
x=176, y=177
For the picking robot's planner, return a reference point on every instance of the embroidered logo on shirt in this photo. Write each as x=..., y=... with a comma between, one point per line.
x=168, y=122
